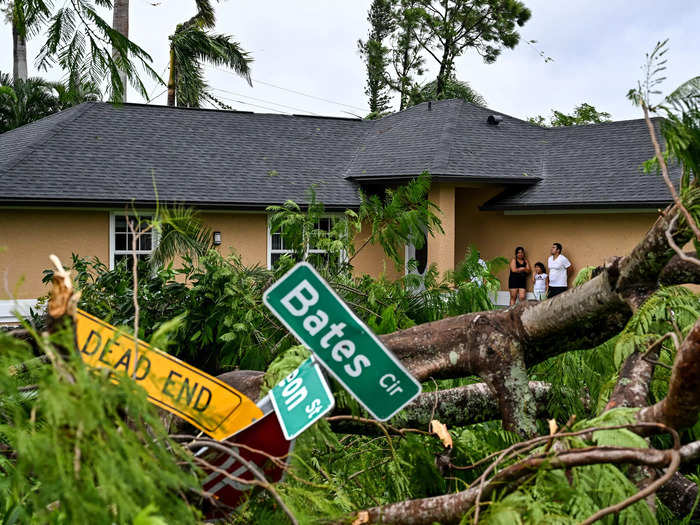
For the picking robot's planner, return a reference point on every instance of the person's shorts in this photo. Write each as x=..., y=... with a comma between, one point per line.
x=556, y=290
x=540, y=296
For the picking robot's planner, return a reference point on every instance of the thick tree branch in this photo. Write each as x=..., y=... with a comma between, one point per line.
x=679, y=271
x=681, y=406
x=451, y=507
x=454, y=407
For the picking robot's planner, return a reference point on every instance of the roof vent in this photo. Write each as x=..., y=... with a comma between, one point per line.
x=430, y=105
x=494, y=119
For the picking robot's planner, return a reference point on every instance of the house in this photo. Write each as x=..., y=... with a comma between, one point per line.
x=500, y=182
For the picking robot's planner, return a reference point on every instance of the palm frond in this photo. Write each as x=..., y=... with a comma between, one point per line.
x=181, y=232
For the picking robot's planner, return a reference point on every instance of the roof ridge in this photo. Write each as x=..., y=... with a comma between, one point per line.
x=43, y=140
x=594, y=124
x=214, y=110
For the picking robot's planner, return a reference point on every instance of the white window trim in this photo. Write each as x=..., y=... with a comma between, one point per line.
x=343, y=254
x=112, y=238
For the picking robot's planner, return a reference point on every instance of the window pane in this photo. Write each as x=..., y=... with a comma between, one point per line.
x=145, y=242
x=325, y=224
x=274, y=258
x=276, y=241
x=120, y=223
x=120, y=241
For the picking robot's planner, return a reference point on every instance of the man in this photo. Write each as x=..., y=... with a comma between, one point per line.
x=558, y=271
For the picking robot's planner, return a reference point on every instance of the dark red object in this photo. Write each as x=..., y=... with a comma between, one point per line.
x=264, y=435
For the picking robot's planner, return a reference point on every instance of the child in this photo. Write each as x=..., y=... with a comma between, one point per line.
x=541, y=281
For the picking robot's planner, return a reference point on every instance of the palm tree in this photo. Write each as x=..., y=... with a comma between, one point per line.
x=182, y=233
x=14, y=15
x=120, y=23
x=192, y=44
x=24, y=101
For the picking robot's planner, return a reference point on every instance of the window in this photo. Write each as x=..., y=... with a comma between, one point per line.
x=277, y=248
x=420, y=255
x=121, y=239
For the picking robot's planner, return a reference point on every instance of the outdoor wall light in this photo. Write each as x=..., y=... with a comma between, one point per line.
x=217, y=238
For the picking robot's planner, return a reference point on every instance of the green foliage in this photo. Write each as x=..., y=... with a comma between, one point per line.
x=593, y=373
x=376, y=56
x=24, y=101
x=453, y=89
x=180, y=232
x=553, y=497
x=81, y=43
x=681, y=111
x=585, y=275
x=453, y=27
x=583, y=114
x=314, y=236
x=403, y=216
x=88, y=450
x=193, y=44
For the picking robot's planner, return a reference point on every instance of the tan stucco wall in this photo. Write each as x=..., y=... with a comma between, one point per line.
x=28, y=237
x=587, y=238
x=243, y=233
x=441, y=246
x=371, y=259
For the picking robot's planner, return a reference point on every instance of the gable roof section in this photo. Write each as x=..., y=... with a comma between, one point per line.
x=101, y=154
x=593, y=166
x=452, y=140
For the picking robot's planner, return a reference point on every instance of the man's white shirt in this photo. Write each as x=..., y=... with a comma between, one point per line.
x=557, y=270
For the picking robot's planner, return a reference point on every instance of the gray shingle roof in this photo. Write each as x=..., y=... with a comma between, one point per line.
x=593, y=166
x=99, y=154
x=449, y=139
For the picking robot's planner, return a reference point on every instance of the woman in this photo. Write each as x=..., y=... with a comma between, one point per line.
x=517, y=280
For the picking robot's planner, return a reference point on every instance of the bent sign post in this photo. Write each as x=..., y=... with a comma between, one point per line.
x=203, y=400
x=301, y=398
x=314, y=313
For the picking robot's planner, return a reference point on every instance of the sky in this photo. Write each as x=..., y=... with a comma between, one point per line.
x=306, y=59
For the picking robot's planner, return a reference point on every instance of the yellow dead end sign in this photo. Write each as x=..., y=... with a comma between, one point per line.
x=209, y=404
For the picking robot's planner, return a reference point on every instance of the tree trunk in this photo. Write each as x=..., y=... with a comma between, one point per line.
x=19, y=53
x=120, y=23
x=171, y=78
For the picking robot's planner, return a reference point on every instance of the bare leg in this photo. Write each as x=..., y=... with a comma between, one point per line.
x=521, y=294
x=513, y=292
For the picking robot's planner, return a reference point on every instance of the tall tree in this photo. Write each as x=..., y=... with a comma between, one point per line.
x=406, y=58
x=376, y=54
x=583, y=114
x=20, y=15
x=190, y=45
x=24, y=101
x=120, y=23
x=453, y=26
x=82, y=44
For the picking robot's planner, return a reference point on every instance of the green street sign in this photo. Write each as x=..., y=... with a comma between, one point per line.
x=314, y=313
x=301, y=398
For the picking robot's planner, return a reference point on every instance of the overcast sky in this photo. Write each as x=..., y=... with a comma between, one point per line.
x=310, y=47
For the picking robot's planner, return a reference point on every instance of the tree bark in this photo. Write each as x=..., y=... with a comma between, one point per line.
x=172, y=78
x=451, y=507
x=455, y=407
x=680, y=408
x=120, y=23
x=19, y=53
